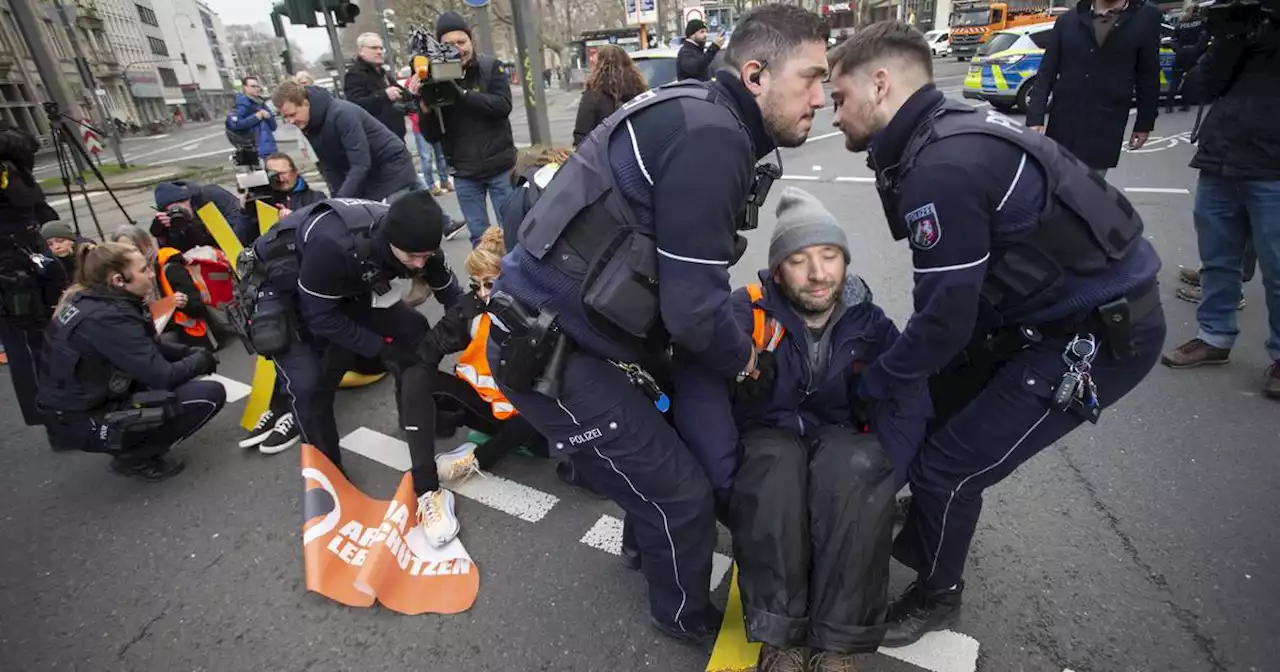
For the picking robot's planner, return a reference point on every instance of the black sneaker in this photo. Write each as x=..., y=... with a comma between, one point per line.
x=260, y=431
x=453, y=227
x=281, y=437
x=918, y=611
x=702, y=633
x=151, y=470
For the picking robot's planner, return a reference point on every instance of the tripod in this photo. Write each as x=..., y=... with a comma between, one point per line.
x=72, y=160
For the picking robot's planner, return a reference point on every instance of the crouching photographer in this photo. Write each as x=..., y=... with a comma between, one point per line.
x=177, y=225
x=1238, y=190
x=109, y=385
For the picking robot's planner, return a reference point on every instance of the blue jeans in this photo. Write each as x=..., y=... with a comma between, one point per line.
x=471, y=195
x=434, y=166
x=1228, y=214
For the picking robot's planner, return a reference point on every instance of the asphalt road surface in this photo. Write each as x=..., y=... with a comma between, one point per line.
x=1146, y=543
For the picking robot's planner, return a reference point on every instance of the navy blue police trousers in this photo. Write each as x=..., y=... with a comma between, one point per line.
x=620, y=444
x=1009, y=422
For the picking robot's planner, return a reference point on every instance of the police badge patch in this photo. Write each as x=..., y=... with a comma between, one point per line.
x=924, y=228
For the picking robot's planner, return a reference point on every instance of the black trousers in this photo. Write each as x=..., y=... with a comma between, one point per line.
x=812, y=523
x=198, y=401
x=23, y=345
x=454, y=395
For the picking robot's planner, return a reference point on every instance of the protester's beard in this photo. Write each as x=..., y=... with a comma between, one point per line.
x=807, y=305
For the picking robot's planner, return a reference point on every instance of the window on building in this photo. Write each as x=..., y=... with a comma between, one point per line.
x=147, y=16
x=51, y=34
x=158, y=46
x=168, y=77
x=11, y=33
x=184, y=58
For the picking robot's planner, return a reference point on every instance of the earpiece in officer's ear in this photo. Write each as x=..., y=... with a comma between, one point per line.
x=755, y=76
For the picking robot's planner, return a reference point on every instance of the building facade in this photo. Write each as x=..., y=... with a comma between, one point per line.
x=200, y=73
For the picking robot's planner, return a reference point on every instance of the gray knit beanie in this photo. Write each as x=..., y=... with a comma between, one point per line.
x=803, y=222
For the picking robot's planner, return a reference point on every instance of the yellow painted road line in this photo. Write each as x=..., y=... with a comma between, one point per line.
x=732, y=652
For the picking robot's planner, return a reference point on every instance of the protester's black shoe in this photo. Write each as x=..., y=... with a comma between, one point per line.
x=918, y=611
x=701, y=633
x=453, y=227
x=152, y=470
x=261, y=430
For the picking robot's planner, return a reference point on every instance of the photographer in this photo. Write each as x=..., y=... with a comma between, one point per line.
x=372, y=88
x=177, y=225
x=1238, y=191
x=109, y=385
x=30, y=278
x=251, y=120
x=476, y=130
x=289, y=189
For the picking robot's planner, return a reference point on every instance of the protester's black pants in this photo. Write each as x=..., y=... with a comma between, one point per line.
x=812, y=523
x=454, y=395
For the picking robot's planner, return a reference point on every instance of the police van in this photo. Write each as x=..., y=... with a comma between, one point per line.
x=1005, y=68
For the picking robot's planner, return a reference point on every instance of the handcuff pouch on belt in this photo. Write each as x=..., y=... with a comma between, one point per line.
x=143, y=412
x=533, y=351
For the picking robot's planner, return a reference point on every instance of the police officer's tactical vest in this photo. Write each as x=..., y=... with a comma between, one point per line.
x=276, y=256
x=72, y=383
x=766, y=332
x=473, y=367
x=583, y=226
x=1086, y=223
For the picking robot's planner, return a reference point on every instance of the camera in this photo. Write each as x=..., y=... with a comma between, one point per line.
x=1239, y=17
x=438, y=66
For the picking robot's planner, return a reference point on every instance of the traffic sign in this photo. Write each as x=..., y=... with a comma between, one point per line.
x=476, y=3
x=91, y=142
x=691, y=13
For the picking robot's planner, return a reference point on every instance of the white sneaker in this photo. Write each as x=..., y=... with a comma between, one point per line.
x=457, y=464
x=435, y=517
x=260, y=431
x=283, y=436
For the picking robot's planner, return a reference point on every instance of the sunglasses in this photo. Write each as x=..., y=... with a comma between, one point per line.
x=476, y=285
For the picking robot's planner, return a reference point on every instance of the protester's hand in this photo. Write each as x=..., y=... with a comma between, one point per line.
x=1038, y=129
x=1137, y=140
x=179, y=300
x=262, y=114
x=750, y=369
x=284, y=212
x=758, y=384
x=399, y=355
x=393, y=92
x=206, y=363
x=720, y=40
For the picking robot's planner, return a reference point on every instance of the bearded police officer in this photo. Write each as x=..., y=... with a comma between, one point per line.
x=627, y=251
x=1035, y=296
x=322, y=295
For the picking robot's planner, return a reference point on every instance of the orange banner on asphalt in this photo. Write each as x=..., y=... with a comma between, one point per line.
x=359, y=550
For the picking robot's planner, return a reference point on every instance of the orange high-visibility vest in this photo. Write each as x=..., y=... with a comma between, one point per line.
x=473, y=367
x=193, y=327
x=766, y=332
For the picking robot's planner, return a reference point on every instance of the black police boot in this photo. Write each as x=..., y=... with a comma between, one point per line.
x=918, y=611
x=152, y=470
x=701, y=632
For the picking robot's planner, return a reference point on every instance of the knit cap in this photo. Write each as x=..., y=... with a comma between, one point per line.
x=414, y=222
x=803, y=222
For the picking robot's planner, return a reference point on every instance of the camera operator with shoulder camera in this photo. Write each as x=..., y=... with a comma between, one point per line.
x=470, y=116
x=371, y=87
x=177, y=225
x=289, y=189
x=1238, y=191
x=109, y=385
x=30, y=278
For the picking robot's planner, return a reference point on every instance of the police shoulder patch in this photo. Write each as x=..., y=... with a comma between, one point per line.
x=923, y=226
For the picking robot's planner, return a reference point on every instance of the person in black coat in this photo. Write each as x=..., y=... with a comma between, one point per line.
x=372, y=88
x=1102, y=54
x=188, y=231
x=694, y=59
x=358, y=156
x=614, y=80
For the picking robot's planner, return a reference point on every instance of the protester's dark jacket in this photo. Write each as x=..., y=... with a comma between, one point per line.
x=1094, y=85
x=359, y=157
x=300, y=196
x=1240, y=137
x=594, y=108
x=186, y=237
x=477, y=129
x=694, y=61
x=118, y=334
x=453, y=332
x=366, y=85
x=22, y=201
x=710, y=416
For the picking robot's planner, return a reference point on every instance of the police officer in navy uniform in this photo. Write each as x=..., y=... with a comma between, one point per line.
x=628, y=251
x=1036, y=304
x=341, y=255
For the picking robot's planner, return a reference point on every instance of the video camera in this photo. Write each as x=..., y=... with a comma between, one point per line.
x=1239, y=17
x=438, y=66
x=252, y=180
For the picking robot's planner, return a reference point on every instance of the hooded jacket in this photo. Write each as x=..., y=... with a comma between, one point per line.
x=802, y=399
x=359, y=157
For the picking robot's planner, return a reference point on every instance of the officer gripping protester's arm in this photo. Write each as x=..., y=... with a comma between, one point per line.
x=321, y=282
x=1036, y=304
x=809, y=469
x=177, y=225
x=626, y=252
x=109, y=384
x=30, y=278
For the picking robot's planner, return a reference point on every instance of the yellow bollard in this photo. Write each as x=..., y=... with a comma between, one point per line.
x=732, y=652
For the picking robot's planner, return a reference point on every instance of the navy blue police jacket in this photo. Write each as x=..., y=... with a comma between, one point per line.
x=965, y=198
x=858, y=333
x=335, y=283
x=686, y=171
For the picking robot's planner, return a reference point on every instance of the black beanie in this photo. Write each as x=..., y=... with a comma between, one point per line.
x=414, y=222
x=449, y=22
x=694, y=26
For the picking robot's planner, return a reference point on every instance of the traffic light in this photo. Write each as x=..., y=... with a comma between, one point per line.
x=344, y=11
x=299, y=12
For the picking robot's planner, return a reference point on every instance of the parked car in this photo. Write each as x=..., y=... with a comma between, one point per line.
x=659, y=65
x=939, y=42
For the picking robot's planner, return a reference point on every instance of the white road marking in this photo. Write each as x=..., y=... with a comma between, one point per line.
x=156, y=178
x=806, y=178
x=606, y=535
x=236, y=390
x=78, y=197
x=519, y=500
x=817, y=169
x=188, y=148
x=226, y=151
x=824, y=136
x=863, y=180
x=1155, y=190
x=944, y=651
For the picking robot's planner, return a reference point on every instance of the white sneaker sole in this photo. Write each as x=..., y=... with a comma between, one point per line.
x=448, y=457
x=254, y=440
x=272, y=450
x=443, y=540
x=460, y=229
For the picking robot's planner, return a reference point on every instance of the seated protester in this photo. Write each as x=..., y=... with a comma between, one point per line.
x=177, y=225
x=470, y=397
x=109, y=385
x=289, y=188
x=532, y=172
x=62, y=242
x=196, y=322
x=810, y=492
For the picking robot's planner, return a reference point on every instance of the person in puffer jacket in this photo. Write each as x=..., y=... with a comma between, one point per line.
x=805, y=467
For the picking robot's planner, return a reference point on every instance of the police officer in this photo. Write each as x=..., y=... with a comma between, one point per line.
x=626, y=252
x=1035, y=296
x=331, y=263
x=109, y=384
x=1190, y=40
x=30, y=278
